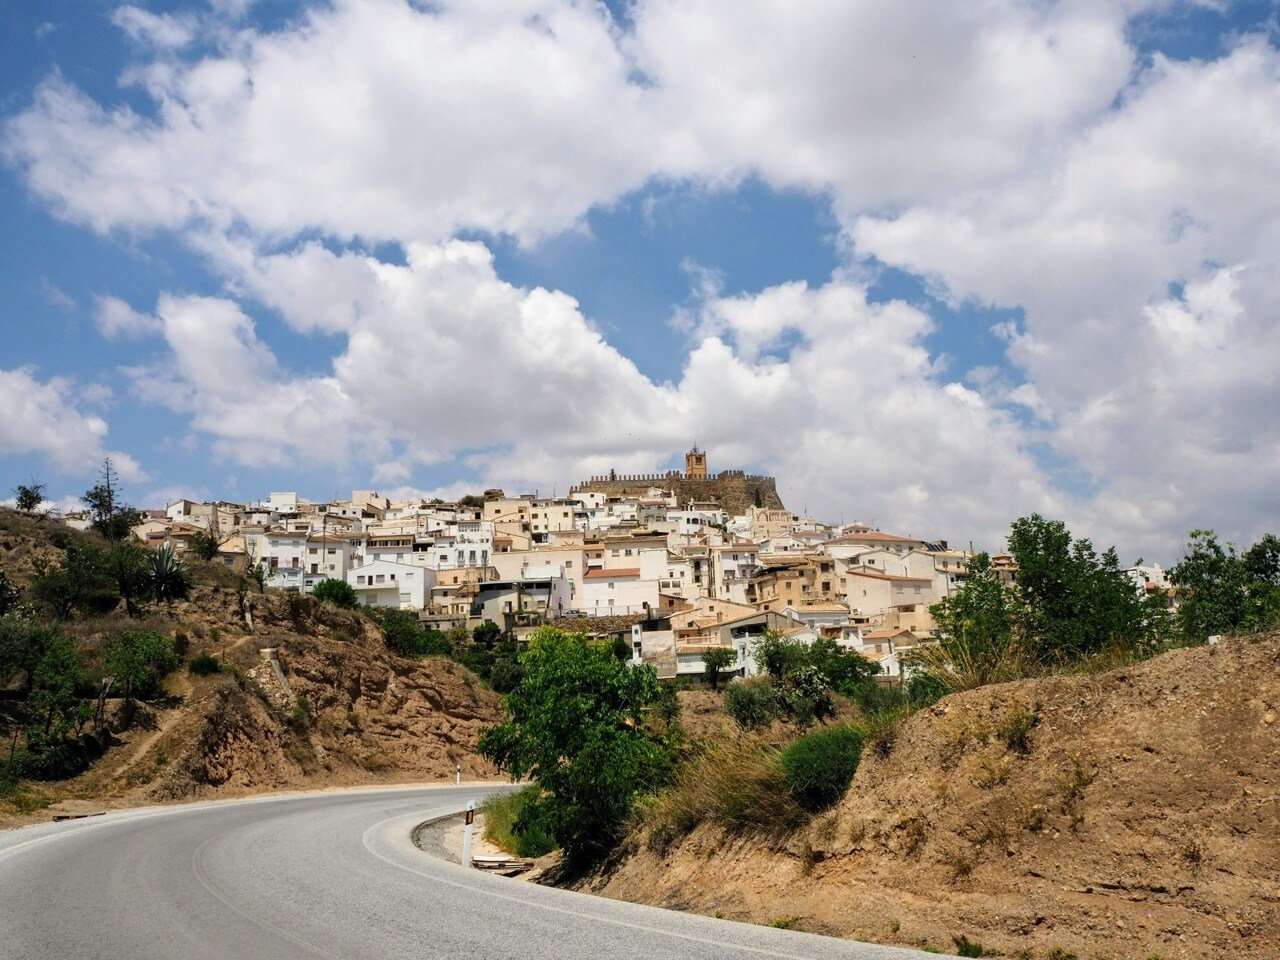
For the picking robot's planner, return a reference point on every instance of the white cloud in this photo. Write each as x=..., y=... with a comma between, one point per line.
x=160, y=30
x=46, y=418
x=371, y=118
x=446, y=363
x=115, y=318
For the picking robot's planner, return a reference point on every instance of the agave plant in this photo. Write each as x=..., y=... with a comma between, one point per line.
x=167, y=575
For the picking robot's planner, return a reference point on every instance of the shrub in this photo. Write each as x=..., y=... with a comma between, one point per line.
x=1014, y=728
x=402, y=634
x=506, y=676
x=751, y=703
x=736, y=783
x=436, y=643
x=204, y=664
x=668, y=704
x=968, y=948
x=139, y=660
x=486, y=633
x=166, y=575
x=819, y=767
x=507, y=823
x=337, y=592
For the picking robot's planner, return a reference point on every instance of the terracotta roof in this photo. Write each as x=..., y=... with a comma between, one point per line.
x=616, y=574
x=874, y=535
x=884, y=634
x=877, y=575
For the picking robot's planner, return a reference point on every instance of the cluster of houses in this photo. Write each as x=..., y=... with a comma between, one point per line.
x=675, y=578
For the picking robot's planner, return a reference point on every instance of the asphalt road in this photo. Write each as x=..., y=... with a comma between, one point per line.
x=325, y=875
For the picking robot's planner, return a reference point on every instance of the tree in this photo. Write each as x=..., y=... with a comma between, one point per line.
x=128, y=566
x=29, y=496
x=258, y=574
x=402, y=633
x=486, y=633
x=111, y=517
x=777, y=655
x=714, y=660
x=139, y=660
x=337, y=592
x=575, y=726
x=55, y=680
x=203, y=546
x=1073, y=601
x=1220, y=591
x=166, y=575
x=808, y=697
x=23, y=642
x=81, y=581
x=977, y=644
x=843, y=670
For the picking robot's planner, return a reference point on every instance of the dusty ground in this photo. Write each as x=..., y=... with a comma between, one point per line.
x=1141, y=819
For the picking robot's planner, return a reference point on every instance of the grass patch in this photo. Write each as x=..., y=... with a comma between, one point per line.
x=204, y=665
x=736, y=783
x=968, y=948
x=502, y=828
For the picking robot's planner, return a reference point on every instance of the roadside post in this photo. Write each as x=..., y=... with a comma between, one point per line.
x=458, y=775
x=466, y=833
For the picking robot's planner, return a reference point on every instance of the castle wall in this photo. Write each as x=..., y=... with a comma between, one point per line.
x=733, y=490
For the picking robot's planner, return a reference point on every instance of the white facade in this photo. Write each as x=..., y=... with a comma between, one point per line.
x=615, y=592
x=382, y=583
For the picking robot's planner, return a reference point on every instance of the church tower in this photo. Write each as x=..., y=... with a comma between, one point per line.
x=695, y=463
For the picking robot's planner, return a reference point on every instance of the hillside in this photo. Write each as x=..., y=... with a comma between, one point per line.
x=1139, y=817
x=353, y=713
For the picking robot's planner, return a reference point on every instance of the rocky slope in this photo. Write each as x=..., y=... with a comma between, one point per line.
x=1138, y=817
x=348, y=713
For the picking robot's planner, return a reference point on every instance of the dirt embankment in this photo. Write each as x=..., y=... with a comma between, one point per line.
x=1138, y=816
x=352, y=713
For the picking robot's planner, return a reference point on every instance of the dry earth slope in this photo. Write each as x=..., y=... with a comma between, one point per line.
x=1141, y=818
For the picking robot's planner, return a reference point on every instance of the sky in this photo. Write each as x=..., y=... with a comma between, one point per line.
x=932, y=265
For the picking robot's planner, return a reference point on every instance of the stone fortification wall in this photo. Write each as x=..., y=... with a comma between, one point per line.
x=734, y=490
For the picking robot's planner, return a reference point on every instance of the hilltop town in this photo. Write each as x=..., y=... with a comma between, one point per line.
x=677, y=563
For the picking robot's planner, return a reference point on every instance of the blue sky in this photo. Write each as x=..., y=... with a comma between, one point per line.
x=656, y=261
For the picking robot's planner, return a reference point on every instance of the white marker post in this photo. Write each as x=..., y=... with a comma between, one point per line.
x=458, y=775
x=466, y=833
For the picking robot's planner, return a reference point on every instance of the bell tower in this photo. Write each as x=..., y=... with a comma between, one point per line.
x=695, y=463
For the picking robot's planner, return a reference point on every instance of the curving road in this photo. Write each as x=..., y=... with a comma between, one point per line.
x=325, y=875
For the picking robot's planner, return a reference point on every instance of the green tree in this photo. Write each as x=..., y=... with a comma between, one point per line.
x=203, y=546
x=486, y=633
x=714, y=661
x=127, y=565
x=82, y=580
x=843, y=670
x=337, y=592
x=23, y=643
x=777, y=655
x=977, y=643
x=1220, y=591
x=139, y=660
x=29, y=496
x=111, y=516
x=807, y=696
x=1073, y=600
x=55, y=681
x=575, y=725
x=166, y=575
x=402, y=633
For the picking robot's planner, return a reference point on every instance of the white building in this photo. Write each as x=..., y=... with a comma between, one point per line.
x=617, y=591
x=382, y=583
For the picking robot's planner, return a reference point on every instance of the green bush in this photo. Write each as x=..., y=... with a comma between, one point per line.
x=507, y=823
x=338, y=592
x=819, y=767
x=436, y=643
x=751, y=703
x=204, y=664
x=506, y=676
x=139, y=660
x=402, y=634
